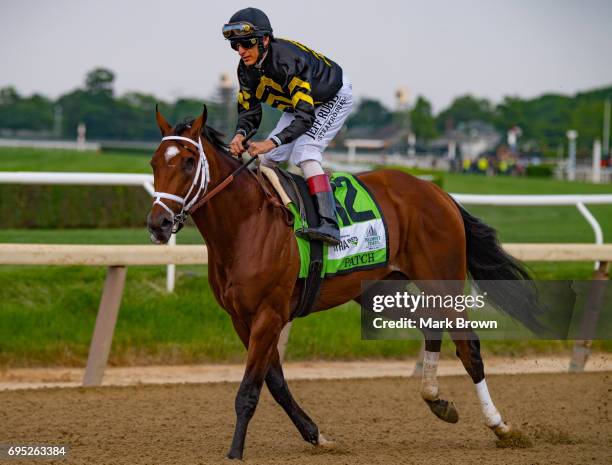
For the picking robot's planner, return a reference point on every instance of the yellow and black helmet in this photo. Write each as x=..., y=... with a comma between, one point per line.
x=248, y=22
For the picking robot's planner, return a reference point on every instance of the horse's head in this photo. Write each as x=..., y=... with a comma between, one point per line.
x=180, y=176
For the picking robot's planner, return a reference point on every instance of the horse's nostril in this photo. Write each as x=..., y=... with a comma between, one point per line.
x=166, y=223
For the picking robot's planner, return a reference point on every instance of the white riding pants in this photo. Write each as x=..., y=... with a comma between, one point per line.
x=329, y=118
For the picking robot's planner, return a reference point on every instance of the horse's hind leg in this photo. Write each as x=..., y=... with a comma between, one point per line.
x=275, y=380
x=468, y=351
x=430, y=392
x=443, y=409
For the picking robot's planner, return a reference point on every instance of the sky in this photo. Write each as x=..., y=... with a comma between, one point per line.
x=439, y=49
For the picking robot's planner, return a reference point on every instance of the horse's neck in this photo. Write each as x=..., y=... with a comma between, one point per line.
x=220, y=219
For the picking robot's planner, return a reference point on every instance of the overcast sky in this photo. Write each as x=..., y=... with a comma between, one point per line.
x=440, y=49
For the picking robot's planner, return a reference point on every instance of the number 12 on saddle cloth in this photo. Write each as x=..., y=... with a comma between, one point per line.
x=363, y=231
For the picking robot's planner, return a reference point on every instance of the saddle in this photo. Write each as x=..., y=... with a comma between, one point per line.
x=292, y=188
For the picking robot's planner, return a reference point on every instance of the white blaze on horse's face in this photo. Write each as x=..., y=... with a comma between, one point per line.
x=171, y=152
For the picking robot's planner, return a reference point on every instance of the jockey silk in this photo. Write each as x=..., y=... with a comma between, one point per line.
x=293, y=78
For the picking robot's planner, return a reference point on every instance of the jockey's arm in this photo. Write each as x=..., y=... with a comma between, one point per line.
x=249, y=111
x=303, y=106
x=249, y=114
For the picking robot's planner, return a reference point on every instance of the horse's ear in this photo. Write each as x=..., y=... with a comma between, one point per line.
x=164, y=126
x=198, y=124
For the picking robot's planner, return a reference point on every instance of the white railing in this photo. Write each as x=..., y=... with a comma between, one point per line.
x=577, y=200
x=91, y=179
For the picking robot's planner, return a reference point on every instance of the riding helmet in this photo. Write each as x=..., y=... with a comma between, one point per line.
x=246, y=18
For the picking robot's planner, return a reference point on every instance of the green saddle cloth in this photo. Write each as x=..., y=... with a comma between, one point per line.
x=363, y=231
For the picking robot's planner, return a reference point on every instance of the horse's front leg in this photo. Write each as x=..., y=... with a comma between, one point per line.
x=265, y=330
x=275, y=380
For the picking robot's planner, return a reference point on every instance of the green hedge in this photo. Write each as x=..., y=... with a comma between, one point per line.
x=73, y=206
x=53, y=207
x=545, y=170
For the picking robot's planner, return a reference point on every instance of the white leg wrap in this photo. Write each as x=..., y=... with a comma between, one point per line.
x=429, y=382
x=311, y=168
x=492, y=416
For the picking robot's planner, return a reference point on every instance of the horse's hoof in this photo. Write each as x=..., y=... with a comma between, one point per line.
x=510, y=438
x=324, y=443
x=233, y=455
x=501, y=430
x=444, y=410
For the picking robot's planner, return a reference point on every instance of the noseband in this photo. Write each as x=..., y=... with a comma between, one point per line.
x=198, y=188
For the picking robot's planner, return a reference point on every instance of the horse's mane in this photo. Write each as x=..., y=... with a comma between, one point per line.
x=214, y=136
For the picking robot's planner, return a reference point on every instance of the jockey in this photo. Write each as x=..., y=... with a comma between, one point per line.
x=311, y=90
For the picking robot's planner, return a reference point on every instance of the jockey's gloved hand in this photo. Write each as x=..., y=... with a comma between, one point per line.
x=236, y=145
x=259, y=148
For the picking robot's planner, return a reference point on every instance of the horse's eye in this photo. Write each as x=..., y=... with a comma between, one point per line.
x=188, y=164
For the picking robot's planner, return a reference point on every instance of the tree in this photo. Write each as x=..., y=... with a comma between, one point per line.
x=103, y=115
x=8, y=96
x=422, y=120
x=370, y=113
x=100, y=80
x=543, y=120
x=30, y=113
x=465, y=109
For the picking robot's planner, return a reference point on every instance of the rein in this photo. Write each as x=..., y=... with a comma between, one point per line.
x=222, y=185
x=203, y=174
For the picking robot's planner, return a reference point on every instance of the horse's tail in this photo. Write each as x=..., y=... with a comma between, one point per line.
x=514, y=291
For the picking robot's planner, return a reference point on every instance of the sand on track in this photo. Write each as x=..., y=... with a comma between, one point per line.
x=372, y=421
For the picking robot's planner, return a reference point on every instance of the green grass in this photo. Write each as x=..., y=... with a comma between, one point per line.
x=24, y=159
x=47, y=313
x=475, y=184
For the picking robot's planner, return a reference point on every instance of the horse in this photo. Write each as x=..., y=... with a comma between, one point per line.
x=253, y=262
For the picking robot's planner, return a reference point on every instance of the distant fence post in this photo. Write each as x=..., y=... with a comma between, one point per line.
x=171, y=268
x=588, y=325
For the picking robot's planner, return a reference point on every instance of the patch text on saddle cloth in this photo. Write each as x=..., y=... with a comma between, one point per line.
x=360, y=244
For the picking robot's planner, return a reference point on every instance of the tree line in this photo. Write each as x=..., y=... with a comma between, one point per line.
x=543, y=120
x=106, y=115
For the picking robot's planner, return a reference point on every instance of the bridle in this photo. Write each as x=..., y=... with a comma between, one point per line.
x=202, y=173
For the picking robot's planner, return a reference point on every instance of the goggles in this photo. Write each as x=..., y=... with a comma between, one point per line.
x=240, y=29
x=244, y=43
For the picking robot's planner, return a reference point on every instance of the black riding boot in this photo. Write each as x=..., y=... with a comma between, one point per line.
x=328, y=230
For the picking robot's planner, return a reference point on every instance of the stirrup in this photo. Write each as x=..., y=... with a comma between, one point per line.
x=322, y=233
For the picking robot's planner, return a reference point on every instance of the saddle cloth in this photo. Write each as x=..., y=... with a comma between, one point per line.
x=363, y=230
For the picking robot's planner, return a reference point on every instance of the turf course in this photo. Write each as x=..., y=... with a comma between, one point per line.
x=47, y=313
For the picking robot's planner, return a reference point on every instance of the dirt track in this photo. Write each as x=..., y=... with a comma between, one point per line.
x=27, y=378
x=372, y=421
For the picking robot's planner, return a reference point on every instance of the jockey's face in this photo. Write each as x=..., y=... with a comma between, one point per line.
x=251, y=55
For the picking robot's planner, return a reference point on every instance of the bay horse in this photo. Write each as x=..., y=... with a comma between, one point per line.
x=254, y=262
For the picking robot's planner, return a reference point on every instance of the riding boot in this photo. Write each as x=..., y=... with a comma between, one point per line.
x=327, y=230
